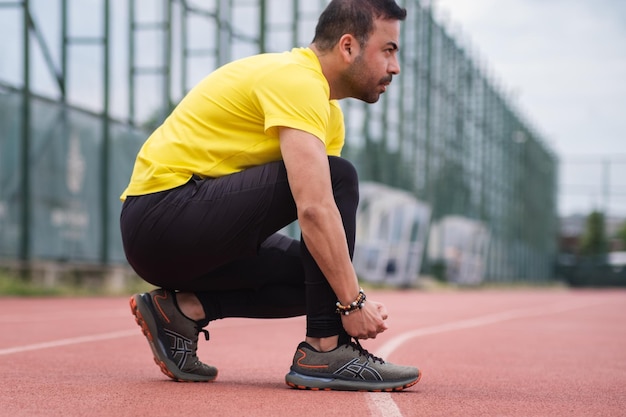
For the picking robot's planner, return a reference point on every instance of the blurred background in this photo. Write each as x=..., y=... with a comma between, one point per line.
x=498, y=155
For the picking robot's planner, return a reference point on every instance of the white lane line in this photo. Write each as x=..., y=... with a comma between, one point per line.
x=382, y=404
x=67, y=342
x=112, y=335
x=63, y=315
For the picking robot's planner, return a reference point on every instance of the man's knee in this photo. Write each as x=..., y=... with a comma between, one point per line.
x=343, y=174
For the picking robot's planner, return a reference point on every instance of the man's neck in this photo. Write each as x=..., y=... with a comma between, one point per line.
x=331, y=68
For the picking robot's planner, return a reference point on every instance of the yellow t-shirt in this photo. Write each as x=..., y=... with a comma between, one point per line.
x=229, y=121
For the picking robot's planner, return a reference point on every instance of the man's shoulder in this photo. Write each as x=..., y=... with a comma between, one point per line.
x=293, y=76
x=304, y=58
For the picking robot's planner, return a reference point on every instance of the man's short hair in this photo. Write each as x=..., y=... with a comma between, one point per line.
x=354, y=17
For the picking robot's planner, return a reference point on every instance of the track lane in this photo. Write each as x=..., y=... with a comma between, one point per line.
x=519, y=366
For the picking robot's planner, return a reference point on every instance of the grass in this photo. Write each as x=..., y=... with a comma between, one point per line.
x=13, y=285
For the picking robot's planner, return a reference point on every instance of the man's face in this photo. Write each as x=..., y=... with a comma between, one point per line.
x=372, y=70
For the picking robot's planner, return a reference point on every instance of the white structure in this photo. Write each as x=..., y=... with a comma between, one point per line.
x=392, y=227
x=617, y=260
x=461, y=243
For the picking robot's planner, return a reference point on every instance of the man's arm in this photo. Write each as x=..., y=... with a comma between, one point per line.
x=308, y=173
x=322, y=229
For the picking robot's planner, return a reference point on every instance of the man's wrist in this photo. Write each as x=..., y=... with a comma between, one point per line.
x=354, y=305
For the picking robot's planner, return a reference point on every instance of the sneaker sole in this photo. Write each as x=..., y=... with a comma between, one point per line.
x=304, y=382
x=150, y=330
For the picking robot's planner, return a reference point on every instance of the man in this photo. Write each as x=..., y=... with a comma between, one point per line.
x=250, y=149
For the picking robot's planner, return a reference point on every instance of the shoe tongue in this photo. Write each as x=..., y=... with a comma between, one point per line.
x=306, y=345
x=344, y=338
x=202, y=323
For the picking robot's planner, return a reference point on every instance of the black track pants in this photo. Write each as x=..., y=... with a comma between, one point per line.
x=217, y=238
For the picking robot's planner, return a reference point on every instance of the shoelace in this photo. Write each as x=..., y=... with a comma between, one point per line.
x=205, y=332
x=206, y=336
x=356, y=345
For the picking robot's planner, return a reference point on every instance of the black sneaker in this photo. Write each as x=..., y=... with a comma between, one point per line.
x=348, y=367
x=172, y=336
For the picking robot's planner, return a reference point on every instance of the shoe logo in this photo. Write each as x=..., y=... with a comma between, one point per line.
x=163, y=297
x=180, y=348
x=359, y=370
x=301, y=358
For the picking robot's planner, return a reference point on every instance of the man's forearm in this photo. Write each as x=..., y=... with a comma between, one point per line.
x=324, y=235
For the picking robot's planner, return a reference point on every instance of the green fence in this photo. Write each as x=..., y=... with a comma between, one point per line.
x=54, y=207
x=443, y=131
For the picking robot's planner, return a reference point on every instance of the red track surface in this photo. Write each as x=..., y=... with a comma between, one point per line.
x=482, y=353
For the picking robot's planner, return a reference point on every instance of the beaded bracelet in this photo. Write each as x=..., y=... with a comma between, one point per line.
x=355, y=305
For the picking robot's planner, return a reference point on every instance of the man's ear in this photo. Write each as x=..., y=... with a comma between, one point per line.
x=348, y=47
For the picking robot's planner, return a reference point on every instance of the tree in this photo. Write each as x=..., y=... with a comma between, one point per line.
x=621, y=235
x=594, y=241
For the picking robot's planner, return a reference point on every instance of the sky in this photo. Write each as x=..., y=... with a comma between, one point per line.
x=562, y=64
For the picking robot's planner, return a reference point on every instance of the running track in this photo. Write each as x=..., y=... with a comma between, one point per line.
x=524, y=353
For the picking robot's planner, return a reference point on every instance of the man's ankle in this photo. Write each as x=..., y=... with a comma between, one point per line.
x=323, y=344
x=190, y=306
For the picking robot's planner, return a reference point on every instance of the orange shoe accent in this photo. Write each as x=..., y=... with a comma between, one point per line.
x=308, y=366
x=156, y=303
x=140, y=321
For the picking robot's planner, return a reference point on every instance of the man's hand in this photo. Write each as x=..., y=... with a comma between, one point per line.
x=367, y=322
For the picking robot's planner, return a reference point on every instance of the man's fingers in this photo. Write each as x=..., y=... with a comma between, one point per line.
x=383, y=311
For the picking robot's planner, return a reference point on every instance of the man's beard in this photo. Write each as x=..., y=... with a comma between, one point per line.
x=358, y=80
